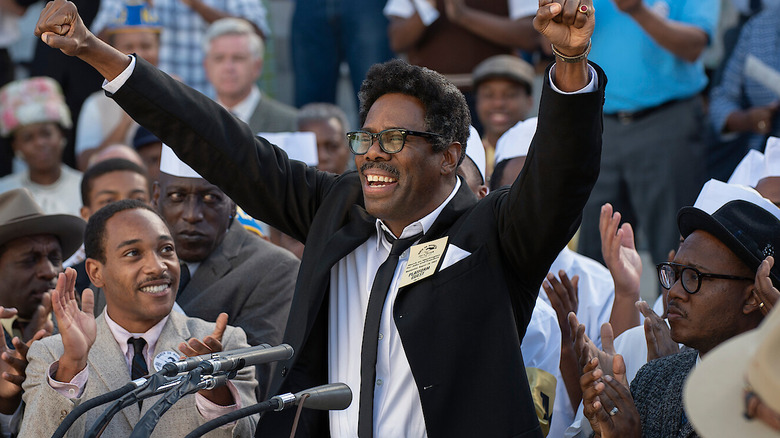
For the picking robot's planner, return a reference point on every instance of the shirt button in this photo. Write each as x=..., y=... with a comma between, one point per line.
x=71, y=391
x=381, y=336
x=378, y=382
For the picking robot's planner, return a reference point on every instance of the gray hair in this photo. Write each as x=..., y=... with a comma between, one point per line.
x=322, y=111
x=234, y=26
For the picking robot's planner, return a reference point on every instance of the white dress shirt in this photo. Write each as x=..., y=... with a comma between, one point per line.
x=244, y=109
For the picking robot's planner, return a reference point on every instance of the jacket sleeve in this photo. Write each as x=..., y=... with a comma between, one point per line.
x=255, y=174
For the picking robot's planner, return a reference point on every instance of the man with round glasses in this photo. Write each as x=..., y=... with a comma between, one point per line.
x=720, y=285
x=410, y=290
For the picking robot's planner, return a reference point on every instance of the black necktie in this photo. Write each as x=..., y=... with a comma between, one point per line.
x=184, y=278
x=376, y=301
x=138, y=366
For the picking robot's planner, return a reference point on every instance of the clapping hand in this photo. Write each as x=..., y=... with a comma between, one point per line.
x=766, y=293
x=210, y=344
x=77, y=327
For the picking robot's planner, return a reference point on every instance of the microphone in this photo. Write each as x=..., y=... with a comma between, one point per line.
x=330, y=397
x=236, y=360
x=333, y=396
x=171, y=369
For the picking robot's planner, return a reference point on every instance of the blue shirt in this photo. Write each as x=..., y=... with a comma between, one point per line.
x=642, y=74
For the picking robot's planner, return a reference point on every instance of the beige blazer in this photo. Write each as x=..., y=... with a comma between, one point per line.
x=46, y=408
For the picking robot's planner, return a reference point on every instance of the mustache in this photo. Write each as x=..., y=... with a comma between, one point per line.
x=381, y=166
x=164, y=276
x=673, y=304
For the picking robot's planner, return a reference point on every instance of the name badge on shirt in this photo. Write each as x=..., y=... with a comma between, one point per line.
x=423, y=259
x=162, y=358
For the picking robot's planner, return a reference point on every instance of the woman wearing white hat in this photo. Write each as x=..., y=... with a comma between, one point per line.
x=34, y=118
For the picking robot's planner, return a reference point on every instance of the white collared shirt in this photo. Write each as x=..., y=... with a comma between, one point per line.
x=397, y=406
x=244, y=109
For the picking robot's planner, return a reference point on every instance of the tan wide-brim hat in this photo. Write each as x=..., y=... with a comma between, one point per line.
x=21, y=216
x=714, y=392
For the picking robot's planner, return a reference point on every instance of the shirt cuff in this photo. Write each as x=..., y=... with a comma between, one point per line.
x=114, y=86
x=427, y=12
x=593, y=85
x=72, y=389
x=210, y=410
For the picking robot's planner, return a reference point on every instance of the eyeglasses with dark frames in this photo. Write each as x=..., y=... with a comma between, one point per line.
x=669, y=273
x=390, y=140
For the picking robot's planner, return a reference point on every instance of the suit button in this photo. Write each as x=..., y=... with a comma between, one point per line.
x=284, y=371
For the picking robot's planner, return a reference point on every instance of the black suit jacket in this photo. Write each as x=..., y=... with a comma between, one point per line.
x=461, y=328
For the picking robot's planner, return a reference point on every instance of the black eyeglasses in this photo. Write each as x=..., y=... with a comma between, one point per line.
x=390, y=140
x=669, y=273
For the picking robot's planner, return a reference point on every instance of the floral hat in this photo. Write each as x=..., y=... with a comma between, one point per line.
x=32, y=100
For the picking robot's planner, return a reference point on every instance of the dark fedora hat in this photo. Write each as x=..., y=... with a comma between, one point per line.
x=749, y=231
x=21, y=216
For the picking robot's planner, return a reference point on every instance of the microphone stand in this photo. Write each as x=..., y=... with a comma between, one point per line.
x=334, y=396
x=276, y=403
x=92, y=403
x=156, y=384
x=193, y=383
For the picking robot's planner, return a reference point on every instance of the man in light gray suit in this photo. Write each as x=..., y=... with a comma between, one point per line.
x=131, y=256
x=229, y=268
x=233, y=63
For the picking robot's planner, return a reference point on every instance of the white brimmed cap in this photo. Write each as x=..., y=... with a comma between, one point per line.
x=476, y=151
x=172, y=165
x=516, y=141
x=748, y=172
x=715, y=194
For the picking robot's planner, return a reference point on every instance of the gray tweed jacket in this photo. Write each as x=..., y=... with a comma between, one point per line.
x=657, y=390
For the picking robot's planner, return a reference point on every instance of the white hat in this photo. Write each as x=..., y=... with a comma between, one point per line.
x=714, y=392
x=716, y=193
x=748, y=172
x=301, y=146
x=771, y=158
x=516, y=141
x=172, y=165
x=476, y=151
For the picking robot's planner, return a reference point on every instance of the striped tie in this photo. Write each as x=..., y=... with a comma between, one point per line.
x=138, y=367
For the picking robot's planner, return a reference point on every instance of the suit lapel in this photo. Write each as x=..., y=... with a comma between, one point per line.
x=109, y=365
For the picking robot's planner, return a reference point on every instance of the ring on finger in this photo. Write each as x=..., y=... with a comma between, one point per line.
x=584, y=9
x=614, y=411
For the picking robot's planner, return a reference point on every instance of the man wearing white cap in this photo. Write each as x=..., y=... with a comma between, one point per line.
x=225, y=268
x=712, y=298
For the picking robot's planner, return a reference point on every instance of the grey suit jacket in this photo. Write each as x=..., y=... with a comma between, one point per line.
x=252, y=280
x=46, y=408
x=273, y=116
x=657, y=391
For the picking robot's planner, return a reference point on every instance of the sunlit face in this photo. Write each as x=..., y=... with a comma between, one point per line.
x=198, y=213
x=231, y=67
x=714, y=313
x=501, y=103
x=115, y=186
x=41, y=146
x=143, y=43
x=332, y=150
x=29, y=267
x=403, y=187
x=141, y=273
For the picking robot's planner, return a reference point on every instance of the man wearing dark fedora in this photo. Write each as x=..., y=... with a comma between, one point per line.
x=714, y=295
x=32, y=248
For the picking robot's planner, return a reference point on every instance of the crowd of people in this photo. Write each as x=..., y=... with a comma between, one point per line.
x=158, y=203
